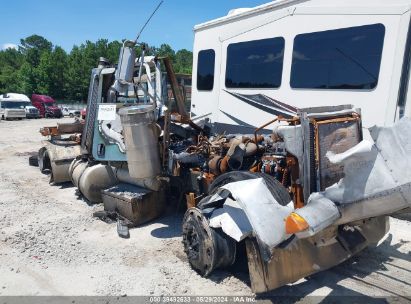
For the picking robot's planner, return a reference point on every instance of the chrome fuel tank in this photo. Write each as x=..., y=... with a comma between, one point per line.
x=141, y=138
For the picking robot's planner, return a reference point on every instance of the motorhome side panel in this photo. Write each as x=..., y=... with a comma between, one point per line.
x=404, y=94
x=206, y=69
x=374, y=101
x=378, y=101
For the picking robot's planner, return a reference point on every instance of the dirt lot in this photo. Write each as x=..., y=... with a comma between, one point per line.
x=51, y=245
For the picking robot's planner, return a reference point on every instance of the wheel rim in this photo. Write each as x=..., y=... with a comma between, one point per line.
x=206, y=248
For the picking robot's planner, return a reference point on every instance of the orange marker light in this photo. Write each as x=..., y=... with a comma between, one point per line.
x=295, y=223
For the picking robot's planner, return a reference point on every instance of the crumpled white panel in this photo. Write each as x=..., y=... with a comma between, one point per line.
x=319, y=213
x=232, y=220
x=365, y=174
x=264, y=213
x=372, y=167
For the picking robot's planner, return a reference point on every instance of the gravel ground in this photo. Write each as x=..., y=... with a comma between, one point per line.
x=51, y=245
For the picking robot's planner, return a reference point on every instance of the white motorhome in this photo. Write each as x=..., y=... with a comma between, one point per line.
x=304, y=54
x=13, y=106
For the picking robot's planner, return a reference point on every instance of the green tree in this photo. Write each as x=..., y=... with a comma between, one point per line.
x=33, y=46
x=27, y=79
x=50, y=73
x=10, y=63
x=35, y=49
x=183, y=61
x=39, y=67
x=77, y=75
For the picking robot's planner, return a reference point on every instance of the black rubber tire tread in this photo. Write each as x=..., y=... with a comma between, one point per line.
x=44, y=164
x=278, y=191
x=34, y=161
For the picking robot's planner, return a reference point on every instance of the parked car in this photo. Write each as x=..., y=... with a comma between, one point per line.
x=46, y=105
x=32, y=112
x=70, y=112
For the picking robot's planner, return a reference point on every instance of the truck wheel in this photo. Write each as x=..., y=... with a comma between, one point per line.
x=206, y=248
x=34, y=161
x=71, y=115
x=44, y=160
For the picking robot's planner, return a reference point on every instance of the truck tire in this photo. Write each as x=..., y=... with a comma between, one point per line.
x=206, y=248
x=71, y=115
x=44, y=160
x=34, y=161
x=278, y=191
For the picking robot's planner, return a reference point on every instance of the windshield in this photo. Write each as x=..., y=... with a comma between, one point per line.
x=14, y=104
x=49, y=105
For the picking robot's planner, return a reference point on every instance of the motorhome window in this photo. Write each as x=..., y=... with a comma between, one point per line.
x=205, y=70
x=255, y=64
x=14, y=104
x=343, y=59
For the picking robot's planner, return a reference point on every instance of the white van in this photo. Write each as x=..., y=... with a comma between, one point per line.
x=303, y=54
x=13, y=106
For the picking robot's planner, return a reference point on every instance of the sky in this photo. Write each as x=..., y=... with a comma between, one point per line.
x=72, y=22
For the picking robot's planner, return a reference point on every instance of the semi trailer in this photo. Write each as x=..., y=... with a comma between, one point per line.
x=292, y=172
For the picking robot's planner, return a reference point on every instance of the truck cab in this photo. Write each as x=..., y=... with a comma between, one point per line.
x=46, y=105
x=12, y=106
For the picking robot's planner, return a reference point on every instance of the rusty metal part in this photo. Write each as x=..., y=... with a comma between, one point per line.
x=259, y=139
x=224, y=164
x=177, y=117
x=296, y=188
x=310, y=255
x=263, y=126
x=190, y=200
x=285, y=177
x=298, y=195
x=62, y=128
x=203, y=146
x=334, y=135
x=49, y=131
x=278, y=118
x=75, y=138
x=254, y=169
x=218, y=165
x=166, y=140
x=208, y=179
x=59, y=154
x=174, y=86
x=138, y=205
x=214, y=165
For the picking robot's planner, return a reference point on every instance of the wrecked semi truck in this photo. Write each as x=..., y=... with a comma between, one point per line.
x=297, y=181
x=342, y=180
